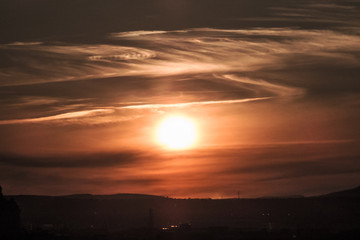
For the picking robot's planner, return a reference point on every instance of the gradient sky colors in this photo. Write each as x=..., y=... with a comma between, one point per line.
x=273, y=87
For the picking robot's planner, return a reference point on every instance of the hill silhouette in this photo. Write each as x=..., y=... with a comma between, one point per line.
x=113, y=196
x=349, y=193
x=340, y=209
x=83, y=214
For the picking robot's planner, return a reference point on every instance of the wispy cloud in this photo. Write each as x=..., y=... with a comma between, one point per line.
x=332, y=13
x=254, y=170
x=192, y=51
x=162, y=62
x=188, y=104
x=23, y=43
x=132, y=34
x=63, y=116
x=277, y=89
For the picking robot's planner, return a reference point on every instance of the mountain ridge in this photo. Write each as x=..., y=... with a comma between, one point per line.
x=352, y=192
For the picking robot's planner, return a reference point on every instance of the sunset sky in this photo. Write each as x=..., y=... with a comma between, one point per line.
x=271, y=87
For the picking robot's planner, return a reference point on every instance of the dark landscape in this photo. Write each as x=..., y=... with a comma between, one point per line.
x=136, y=216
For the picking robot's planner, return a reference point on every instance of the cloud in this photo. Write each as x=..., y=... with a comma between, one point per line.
x=275, y=89
x=254, y=170
x=23, y=43
x=236, y=65
x=132, y=34
x=63, y=116
x=179, y=105
x=193, y=51
x=76, y=160
x=333, y=14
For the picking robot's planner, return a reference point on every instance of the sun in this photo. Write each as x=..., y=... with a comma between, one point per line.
x=177, y=132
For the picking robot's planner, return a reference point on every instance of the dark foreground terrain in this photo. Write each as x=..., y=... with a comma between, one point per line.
x=132, y=216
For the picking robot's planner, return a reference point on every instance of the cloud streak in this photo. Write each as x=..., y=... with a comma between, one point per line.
x=189, y=104
x=63, y=116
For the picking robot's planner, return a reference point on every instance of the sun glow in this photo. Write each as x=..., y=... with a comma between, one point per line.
x=177, y=132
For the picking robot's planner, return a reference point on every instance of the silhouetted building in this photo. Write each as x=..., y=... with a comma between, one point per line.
x=9, y=218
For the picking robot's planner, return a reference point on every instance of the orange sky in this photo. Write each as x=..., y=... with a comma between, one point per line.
x=275, y=102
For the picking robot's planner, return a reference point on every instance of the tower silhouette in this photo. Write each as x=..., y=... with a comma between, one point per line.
x=9, y=218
